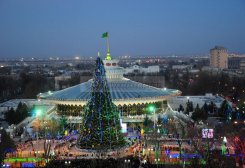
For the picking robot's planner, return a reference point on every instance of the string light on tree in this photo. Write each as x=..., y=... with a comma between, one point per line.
x=101, y=123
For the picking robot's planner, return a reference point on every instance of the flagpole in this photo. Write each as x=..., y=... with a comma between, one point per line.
x=107, y=42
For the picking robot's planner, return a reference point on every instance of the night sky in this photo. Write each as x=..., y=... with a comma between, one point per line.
x=45, y=28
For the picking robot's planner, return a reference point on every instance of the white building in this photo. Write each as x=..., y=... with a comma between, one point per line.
x=139, y=69
x=200, y=100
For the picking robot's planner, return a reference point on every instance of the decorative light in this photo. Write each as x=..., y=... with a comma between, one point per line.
x=151, y=108
x=38, y=112
x=225, y=140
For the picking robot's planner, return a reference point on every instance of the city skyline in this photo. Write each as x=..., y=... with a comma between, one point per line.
x=61, y=28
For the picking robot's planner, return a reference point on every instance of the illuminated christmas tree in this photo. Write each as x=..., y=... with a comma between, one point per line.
x=101, y=127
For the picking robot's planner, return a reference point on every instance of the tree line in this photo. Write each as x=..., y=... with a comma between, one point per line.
x=24, y=86
x=225, y=111
x=204, y=82
x=16, y=116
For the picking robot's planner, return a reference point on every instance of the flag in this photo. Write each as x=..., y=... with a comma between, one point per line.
x=104, y=35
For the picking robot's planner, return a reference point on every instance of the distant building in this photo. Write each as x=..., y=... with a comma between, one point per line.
x=61, y=81
x=242, y=65
x=234, y=61
x=219, y=57
x=139, y=69
x=181, y=67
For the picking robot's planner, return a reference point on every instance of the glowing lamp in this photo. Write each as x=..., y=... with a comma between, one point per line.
x=38, y=112
x=151, y=108
x=225, y=140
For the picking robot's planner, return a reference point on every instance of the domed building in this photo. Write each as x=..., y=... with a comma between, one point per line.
x=131, y=98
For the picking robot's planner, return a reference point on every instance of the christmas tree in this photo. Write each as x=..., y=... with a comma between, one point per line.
x=101, y=121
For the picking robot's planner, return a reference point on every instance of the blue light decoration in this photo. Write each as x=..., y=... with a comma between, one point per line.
x=58, y=136
x=185, y=156
x=75, y=132
x=238, y=115
x=228, y=113
x=165, y=119
x=168, y=151
x=9, y=150
x=28, y=165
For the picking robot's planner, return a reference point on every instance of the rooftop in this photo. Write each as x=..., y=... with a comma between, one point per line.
x=120, y=89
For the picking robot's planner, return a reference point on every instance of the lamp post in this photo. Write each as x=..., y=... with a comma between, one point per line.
x=223, y=147
x=67, y=163
x=152, y=108
x=157, y=160
x=38, y=113
x=127, y=162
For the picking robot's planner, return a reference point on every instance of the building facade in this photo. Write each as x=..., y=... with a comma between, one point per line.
x=219, y=57
x=234, y=61
x=131, y=98
x=139, y=69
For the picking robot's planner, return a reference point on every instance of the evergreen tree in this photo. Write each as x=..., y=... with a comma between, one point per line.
x=196, y=114
x=21, y=112
x=189, y=107
x=181, y=108
x=203, y=114
x=16, y=116
x=211, y=107
x=205, y=107
x=199, y=114
x=101, y=124
x=223, y=108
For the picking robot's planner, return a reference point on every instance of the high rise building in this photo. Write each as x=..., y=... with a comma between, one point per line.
x=219, y=57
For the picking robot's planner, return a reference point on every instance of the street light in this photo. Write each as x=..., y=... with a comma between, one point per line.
x=224, y=146
x=225, y=140
x=127, y=162
x=67, y=162
x=157, y=160
x=38, y=112
x=152, y=108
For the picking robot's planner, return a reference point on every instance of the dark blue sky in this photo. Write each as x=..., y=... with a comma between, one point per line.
x=44, y=28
